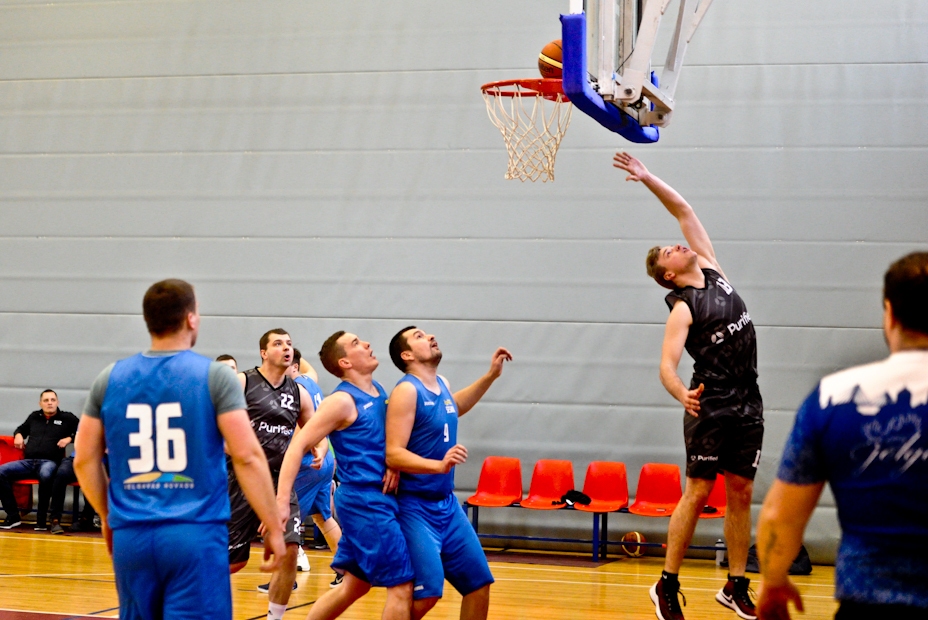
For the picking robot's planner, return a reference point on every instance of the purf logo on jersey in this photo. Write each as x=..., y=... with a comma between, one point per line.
x=449, y=406
x=737, y=327
x=279, y=428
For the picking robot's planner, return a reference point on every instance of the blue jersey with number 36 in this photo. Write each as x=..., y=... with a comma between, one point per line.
x=165, y=450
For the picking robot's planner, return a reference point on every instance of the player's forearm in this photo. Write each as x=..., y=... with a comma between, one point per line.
x=672, y=383
x=403, y=460
x=92, y=478
x=289, y=469
x=783, y=519
x=675, y=204
x=471, y=395
x=254, y=476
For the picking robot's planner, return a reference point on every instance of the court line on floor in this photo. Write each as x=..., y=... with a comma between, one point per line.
x=623, y=585
x=66, y=615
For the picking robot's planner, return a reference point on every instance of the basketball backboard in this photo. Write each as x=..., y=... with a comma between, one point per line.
x=608, y=47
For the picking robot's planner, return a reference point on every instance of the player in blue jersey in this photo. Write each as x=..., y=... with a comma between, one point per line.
x=313, y=484
x=163, y=415
x=723, y=420
x=372, y=550
x=862, y=430
x=422, y=430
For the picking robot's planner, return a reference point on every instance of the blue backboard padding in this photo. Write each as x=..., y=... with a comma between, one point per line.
x=578, y=90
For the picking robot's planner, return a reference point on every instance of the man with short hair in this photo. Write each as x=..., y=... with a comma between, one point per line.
x=422, y=430
x=372, y=550
x=724, y=421
x=313, y=484
x=163, y=417
x=276, y=404
x=862, y=430
x=228, y=360
x=48, y=430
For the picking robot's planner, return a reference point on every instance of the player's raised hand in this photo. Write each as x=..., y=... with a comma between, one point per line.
x=691, y=400
x=274, y=550
x=496, y=362
x=454, y=456
x=635, y=169
x=773, y=601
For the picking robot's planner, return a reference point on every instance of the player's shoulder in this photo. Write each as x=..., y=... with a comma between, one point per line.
x=871, y=386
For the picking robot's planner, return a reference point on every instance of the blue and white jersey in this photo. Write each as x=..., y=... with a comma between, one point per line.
x=865, y=431
x=434, y=432
x=315, y=394
x=165, y=450
x=362, y=447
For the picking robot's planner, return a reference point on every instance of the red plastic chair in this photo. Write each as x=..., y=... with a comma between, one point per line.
x=551, y=479
x=607, y=485
x=717, y=500
x=500, y=482
x=658, y=492
x=22, y=489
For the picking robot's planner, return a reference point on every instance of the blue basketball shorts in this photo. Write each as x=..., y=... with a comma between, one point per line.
x=314, y=488
x=442, y=545
x=172, y=570
x=372, y=547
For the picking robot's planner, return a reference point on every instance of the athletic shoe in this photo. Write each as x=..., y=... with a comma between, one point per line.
x=56, y=528
x=97, y=523
x=338, y=580
x=10, y=522
x=302, y=562
x=263, y=588
x=736, y=596
x=41, y=527
x=666, y=603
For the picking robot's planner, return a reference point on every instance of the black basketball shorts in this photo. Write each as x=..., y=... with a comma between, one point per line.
x=728, y=434
x=243, y=524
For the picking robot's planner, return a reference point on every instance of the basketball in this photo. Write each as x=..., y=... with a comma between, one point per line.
x=633, y=551
x=549, y=60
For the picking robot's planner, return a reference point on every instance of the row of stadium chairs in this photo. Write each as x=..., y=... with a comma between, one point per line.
x=606, y=483
x=22, y=489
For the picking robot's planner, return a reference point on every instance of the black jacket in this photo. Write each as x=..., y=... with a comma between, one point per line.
x=45, y=433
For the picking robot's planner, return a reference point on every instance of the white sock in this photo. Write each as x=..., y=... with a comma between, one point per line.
x=275, y=611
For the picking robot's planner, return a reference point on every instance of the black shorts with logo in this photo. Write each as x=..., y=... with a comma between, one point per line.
x=244, y=522
x=727, y=435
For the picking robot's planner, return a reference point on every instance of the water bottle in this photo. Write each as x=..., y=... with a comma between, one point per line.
x=719, y=552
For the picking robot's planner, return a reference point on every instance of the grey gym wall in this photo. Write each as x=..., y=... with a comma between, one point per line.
x=323, y=166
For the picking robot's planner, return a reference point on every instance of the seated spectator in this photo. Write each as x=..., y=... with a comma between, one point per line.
x=43, y=437
x=63, y=477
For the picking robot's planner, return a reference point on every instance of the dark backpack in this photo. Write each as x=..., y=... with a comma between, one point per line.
x=802, y=565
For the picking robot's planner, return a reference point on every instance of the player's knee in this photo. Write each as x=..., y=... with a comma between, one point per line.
x=422, y=606
x=236, y=566
x=697, y=490
x=401, y=593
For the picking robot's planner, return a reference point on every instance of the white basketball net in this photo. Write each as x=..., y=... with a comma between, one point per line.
x=532, y=127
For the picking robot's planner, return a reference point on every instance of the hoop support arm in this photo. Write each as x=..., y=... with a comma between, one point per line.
x=577, y=86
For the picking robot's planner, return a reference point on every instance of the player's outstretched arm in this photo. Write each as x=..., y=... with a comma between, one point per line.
x=401, y=415
x=254, y=476
x=466, y=398
x=89, y=448
x=783, y=520
x=692, y=229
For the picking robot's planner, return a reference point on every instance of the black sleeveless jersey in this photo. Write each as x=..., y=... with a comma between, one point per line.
x=721, y=339
x=273, y=413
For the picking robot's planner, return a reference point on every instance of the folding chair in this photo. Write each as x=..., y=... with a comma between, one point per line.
x=658, y=492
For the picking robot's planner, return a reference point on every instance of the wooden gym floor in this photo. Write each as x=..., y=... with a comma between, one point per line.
x=43, y=576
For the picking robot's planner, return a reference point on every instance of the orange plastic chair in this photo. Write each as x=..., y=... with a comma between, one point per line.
x=550, y=481
x=658, y=491
x=607, y=485
x=717, y=501
x=500, y=482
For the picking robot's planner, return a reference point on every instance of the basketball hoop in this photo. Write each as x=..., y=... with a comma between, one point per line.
x=533, y=115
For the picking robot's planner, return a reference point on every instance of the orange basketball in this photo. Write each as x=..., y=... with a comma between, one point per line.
x=631, y=550
x=549, y=60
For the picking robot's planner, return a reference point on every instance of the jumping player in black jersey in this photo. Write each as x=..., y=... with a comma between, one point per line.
x=276, y=404
x=724, y=423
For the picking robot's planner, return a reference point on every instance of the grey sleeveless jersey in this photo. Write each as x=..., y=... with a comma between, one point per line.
x=273, y=413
